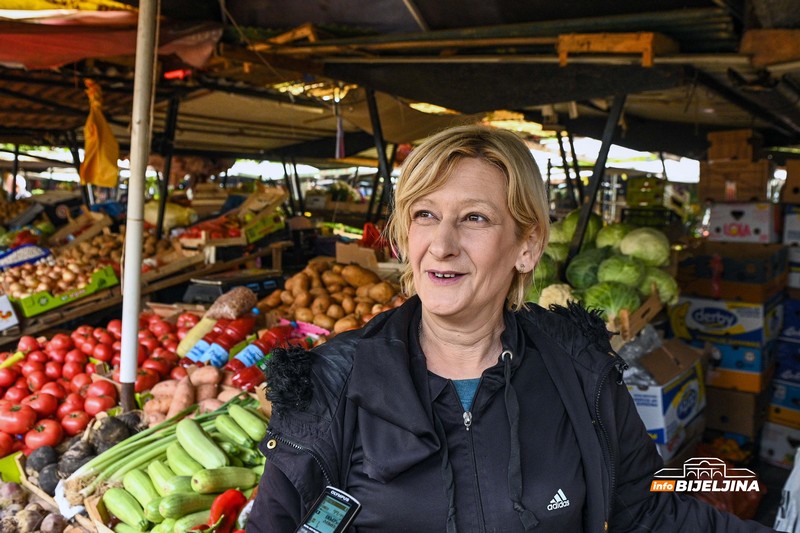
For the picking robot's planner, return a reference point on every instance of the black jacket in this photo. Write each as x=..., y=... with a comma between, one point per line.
x=362, y=413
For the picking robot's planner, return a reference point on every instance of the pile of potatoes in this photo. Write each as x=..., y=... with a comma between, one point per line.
x=105, y=246
x=333, y=296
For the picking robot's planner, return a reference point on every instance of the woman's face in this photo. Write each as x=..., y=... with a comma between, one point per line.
x=462, y=244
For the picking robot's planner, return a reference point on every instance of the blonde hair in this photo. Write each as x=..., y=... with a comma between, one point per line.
x=431, y=164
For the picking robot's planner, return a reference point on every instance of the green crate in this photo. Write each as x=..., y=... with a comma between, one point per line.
x=41, y=302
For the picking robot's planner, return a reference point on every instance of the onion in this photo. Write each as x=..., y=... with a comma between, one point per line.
x=68, y=276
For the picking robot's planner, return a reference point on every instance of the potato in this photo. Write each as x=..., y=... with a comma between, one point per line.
x=300, y=284
x=318, y=291
x=337, y=268
x=302, y=299
x=335, y=287
x=287, y=297
x=364, y=300
x=351, y=291
x=320, y=304
x=324, y=321
x=363, y=291
x=338, y=296
x=335, y=311
x=381, y=292
x=348, y=304
x=357, y=276
x=363, y=308
x=331, y=278
x=303, y=314
x=345, y=324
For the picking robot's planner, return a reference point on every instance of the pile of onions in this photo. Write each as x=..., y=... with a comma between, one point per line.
x=53, y=276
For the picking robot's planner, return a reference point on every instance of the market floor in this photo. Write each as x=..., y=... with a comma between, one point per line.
x=774, y=478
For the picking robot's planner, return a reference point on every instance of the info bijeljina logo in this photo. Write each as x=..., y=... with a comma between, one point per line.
x=704, y=474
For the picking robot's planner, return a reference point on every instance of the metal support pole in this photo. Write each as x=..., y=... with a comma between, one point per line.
x=141, y=124
x=573, y=194
x=300, y=201
x=380, y=146
x=289, y=188
x=12, y=193
x=86, y=191
x=166, y=150
x=576, y=165
x=387, y=193
x=597, y=175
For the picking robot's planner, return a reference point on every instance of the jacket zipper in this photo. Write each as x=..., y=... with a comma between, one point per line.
x=304, y=450
x=612, y=468
x=467, y=418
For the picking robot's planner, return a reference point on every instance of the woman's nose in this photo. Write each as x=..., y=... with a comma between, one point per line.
x=445, y=240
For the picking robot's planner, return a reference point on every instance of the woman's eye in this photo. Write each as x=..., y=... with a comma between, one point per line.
x=422, y=214
x=476, y=217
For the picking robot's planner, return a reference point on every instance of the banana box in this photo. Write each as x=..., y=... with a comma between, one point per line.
x=742, y=368
x=727, y=321
x=745, y=222
x=779, y=444
x=679, y=396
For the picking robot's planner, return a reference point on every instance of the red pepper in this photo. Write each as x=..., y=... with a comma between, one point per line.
x=225, y=510
x=248, y=378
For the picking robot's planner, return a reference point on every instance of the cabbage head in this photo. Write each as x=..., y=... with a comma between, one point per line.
x=665, y=284
x=557, y=251
x=546, y=271
x=592, y=226
x=558, y=233
x=581, y=272
x=610, y=297
x=648, y=244
x=534, y=292
x=622, y=269
x=612, y=235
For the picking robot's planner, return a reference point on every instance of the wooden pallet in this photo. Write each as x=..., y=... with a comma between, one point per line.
x=628, y=325
x=648, y=44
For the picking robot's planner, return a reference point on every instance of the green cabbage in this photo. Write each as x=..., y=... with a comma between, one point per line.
x=557, y=251
x=610, y=298
x=612, y=235
x=546, y=270
x=666, y=285
x=648, y=244
x=558, y=233
x=622, y=269
x=592, y=226
x=533, y=292
x=581, y=272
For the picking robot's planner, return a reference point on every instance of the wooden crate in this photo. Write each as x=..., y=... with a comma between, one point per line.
x=173, y=262
x=734, y=181
x=628, y=325
x=790, y=193
x=84, y=227
x=648, y=44
x=741, y=145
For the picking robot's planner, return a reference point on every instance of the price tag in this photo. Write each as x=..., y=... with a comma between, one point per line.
x=8, y=318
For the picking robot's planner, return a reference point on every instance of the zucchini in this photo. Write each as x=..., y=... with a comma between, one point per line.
x=251, y=423
x=179, y=484
x=151, y=511
x=199, y=445
x=181, y=462
x=221, y=479
x=231, y=430
x=180, y=504
x=122, y=527
x=167, y=526
x=138, y=483
x=124, y=506
x=160, y=474
x=184, y=524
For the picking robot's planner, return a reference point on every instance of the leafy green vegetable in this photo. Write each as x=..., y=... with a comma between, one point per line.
x=648, y=244
x=611, y=297
x=665, y=284
x=581, y=272
x=557, y=251
x=546, y=270
x=558, y=233
x=622, y=269
x=592, y=226
x=612, y=234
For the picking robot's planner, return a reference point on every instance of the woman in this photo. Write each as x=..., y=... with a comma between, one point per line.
x=462, y=410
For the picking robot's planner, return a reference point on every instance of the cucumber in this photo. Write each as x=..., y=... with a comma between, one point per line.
x=199, y=445
x=181, y=462
x=184, y=524
x=160, y=474
x=251, y=423
x=124, y=506
x=151, y=511
x=138, y=483
x=179, y=484
x=224, y=478
x=180, y=504
x=231, y=430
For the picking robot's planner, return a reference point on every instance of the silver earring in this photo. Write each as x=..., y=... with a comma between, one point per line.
x=521, y=269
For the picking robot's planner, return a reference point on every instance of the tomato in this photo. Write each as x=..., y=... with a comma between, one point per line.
x=6, y=444
x=7, y=377
x=117, y=346
x=106, y=338
x=60, y=341
x=28, y=367
x=43, y=403
x=103, y=352
x=17, y=419
x=16, y=394
x=52, y=369
x=160, y=365
x=38, y=356
x=27, y=344
x=80, y=380
x=75, y=422
x=187, y=320
x=87, y=346
x=75, y=355
x=73, y=398
x=145, y=379
x=160, y=327
x=58, y=356
x=90, y=368
x=84, y=330
x=181, y=333
x=172, y=357
x=97, y=404
x=145, y=334
x=66, y=408
x=149, y=344
x=141, y=355
x=117, y=359
x=22, y=381
x=71, y=369
x=102, y=386
x=115, y=328
x=56, y=389
x=46, y=433
x=178, y=372
x=36, y=380
x=171, y=345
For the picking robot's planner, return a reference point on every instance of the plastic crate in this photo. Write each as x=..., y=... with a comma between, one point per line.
x=656, y=217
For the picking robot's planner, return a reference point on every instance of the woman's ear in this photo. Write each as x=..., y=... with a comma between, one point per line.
x=532, y=250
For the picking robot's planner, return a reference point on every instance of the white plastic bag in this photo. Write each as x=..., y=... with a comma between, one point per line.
x=788, y=518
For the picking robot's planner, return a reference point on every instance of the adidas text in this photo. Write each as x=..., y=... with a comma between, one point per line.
x=557, y=505
x=559, y=501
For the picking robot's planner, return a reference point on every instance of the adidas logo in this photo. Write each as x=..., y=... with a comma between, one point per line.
x=559, y=500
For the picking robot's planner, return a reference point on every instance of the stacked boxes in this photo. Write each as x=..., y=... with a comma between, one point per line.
x=733, y=171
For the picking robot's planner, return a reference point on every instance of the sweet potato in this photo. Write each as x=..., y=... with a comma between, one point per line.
x=184, y=397
x=228, y=393
x=157, y=404
x=208, y=405
x=205, y=375
x=206, y=391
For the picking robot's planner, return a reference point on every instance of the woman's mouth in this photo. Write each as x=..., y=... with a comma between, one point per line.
x=444, y=278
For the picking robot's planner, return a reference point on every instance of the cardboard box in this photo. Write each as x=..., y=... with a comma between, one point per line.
x=791, y=225
x=791, y=320
x=727, y=322
x=790, y=193
x=733, y=271
x=793, y=280
x=678, y=398
x=779, y=444
x=736, y=411
x=734, y=181
x=729, y=145
x=744, y=368
x=348, y=253
x=758, y=222
x=784, y=405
